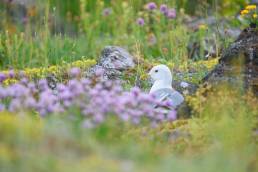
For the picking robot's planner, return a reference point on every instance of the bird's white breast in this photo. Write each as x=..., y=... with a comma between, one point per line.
x=159, y=85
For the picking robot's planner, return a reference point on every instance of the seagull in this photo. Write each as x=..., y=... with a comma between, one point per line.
x=162, y=87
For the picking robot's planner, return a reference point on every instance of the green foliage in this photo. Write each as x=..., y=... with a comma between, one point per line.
x=80, y=28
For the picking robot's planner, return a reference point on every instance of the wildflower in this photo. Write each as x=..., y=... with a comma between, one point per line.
x=2, y=77
x=75, y=72
x=163, y=9
x=24, y=81
x=15, y=105
x=94, y=102
x=140, y=21
x=171, y=14
x=107, y=12
x=99, y=72
x=43, y=84
x=244, y=12
x=254, y=16
x=250, y=7
x=172, y=115
x=11, y=74
x=151, y=6
x=203, y=27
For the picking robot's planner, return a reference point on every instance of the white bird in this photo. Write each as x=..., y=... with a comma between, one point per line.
x=162, y=87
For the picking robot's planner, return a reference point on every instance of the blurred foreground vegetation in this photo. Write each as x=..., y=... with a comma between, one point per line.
x=221, y=138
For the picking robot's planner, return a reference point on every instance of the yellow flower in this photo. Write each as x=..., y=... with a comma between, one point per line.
x=254, y=16
x=244, y=12
x=203, y=26
x=250, y=7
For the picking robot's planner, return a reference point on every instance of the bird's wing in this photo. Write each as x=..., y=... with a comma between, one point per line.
x=169, y=94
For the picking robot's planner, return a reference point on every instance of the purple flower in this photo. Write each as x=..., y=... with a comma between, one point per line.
x=75, y=72
x=32, y=87
x=99, y=72
x=18, y=90
x=24, y=81
x=151, y=6
x=171, y=14
x=107, y=12
x=93, y=102
x=172, y=115
x=61, y=88
x=135, y=91
x=30, y=102
x=140, y=21
x=15, y=105
x=65, y=95
x=98, y=118
x=2, y=77
x=163, y=9
x=3, y=93
x=11, y=73
x=43, y=84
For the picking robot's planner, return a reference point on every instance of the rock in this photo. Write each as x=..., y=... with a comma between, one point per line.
x=238, y=64
x=112, y=62
x=185, y=88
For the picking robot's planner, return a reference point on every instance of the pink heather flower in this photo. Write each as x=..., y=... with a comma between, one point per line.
x=171, y=14
x=135, y=91
x=172, y=116
x=43, y=84
x=2, y=77
x=99, y=72
x=163, y=9
x=11, y=74
x=95, y=103
x=140, y=21
x=151, y=6
x=75, y=72
x=24, y=81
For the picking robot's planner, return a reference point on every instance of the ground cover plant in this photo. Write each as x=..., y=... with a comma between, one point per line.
x=91, y=124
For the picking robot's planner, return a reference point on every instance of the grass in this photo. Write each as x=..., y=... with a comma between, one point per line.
x=38, y=42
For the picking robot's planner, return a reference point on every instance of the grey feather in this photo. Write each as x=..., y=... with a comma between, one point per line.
x=169, y=94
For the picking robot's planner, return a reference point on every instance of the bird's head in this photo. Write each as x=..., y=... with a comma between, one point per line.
x=161, y=72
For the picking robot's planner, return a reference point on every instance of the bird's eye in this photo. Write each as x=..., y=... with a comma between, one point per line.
x=156, y=71
x=115, y=57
